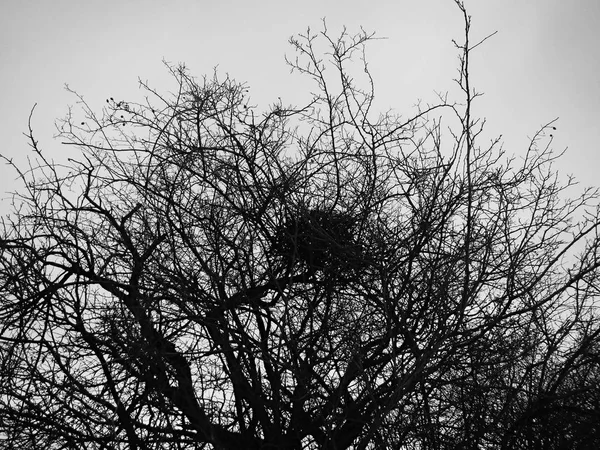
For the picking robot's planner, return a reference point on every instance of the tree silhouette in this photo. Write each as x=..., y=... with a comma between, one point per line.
x=204, y=275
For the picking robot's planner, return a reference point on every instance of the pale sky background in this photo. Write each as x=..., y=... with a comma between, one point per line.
x=542, y=64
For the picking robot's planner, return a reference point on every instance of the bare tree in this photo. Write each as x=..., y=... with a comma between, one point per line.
x=207, y=276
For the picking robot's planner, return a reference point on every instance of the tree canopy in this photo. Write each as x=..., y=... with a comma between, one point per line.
x=207, y=275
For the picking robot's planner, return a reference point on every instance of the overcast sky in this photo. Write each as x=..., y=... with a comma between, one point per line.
x=542, y=64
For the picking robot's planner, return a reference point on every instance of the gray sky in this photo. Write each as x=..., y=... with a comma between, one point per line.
x=542, y=64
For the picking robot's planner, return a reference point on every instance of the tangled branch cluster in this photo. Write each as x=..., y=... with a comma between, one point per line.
x=204, y=275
